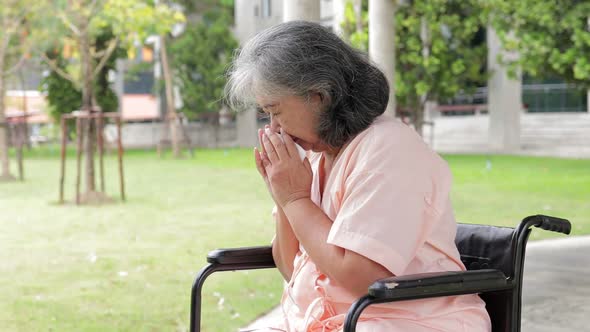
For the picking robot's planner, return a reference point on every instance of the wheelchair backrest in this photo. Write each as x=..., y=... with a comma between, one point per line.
x=486, y=247
x=492, y=247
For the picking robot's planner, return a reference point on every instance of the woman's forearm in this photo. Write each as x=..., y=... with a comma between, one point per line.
x=285, y=245
x=312, y=226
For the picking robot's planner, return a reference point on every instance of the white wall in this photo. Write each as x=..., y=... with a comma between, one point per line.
x=148, y=135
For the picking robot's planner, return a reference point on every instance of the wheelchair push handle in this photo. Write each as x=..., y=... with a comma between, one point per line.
x=549, y=223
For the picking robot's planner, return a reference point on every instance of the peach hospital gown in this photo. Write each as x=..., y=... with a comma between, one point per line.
x=388, y=195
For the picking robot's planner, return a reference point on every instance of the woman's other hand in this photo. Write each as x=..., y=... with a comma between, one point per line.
x=260, y=155
x=285, y=245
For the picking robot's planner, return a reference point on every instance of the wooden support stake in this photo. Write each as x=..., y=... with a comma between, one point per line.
x=99, y=134
x=62, y=176
x=78, y=157
x=19, y=159
x=19, y=149
x=120, y=153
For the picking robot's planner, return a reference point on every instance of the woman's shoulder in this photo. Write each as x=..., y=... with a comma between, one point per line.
x=389, y=145
x=391, y=129
x=390, y=136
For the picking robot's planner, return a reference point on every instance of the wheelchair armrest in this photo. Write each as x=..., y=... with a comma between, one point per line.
x=246, y=255
x=234, y=259
x=425, y=285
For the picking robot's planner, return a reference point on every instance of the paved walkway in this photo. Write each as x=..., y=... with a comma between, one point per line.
x=556, y=293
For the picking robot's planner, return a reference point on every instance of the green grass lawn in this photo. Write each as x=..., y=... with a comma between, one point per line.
x=129, y=266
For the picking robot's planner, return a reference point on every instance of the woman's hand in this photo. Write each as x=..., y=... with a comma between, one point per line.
x=259, y=155
x=287, y=178
x=285, y=245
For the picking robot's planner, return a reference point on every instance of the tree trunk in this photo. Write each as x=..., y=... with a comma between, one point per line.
x=3, y=134
x=3, y=124
x=419, y=119
x=21, y=77
x=87, y=106
x=171, y=116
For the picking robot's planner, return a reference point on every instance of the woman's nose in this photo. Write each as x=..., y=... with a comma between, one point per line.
x=274, y=125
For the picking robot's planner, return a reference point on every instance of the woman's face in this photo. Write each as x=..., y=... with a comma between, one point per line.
x=297, y=117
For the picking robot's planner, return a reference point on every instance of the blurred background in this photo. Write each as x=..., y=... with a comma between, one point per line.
x=120, y=165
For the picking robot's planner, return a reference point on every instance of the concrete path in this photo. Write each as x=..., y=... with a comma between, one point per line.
x=556, y=288
x=556, y=293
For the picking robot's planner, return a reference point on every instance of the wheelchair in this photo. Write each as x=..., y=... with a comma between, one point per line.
x=493, y=256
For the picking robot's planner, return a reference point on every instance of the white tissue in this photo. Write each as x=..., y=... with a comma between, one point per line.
x=302, y=153
x=299, y=149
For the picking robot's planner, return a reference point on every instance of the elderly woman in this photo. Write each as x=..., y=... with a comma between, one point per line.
x=370, y=200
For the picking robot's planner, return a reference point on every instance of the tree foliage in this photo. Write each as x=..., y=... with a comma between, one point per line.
x=14, y=48
x=64, y=97
x=105, y=96
x=79, y=26
x=200, y=57
x=552, y=38
x=359, y=38
x=440, y=49
x=14, y=32
x=201, y=6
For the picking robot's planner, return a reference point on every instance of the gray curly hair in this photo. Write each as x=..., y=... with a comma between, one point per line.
x=300, y=58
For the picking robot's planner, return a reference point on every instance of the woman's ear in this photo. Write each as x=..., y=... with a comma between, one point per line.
x=317, y=98
x=321, y=97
